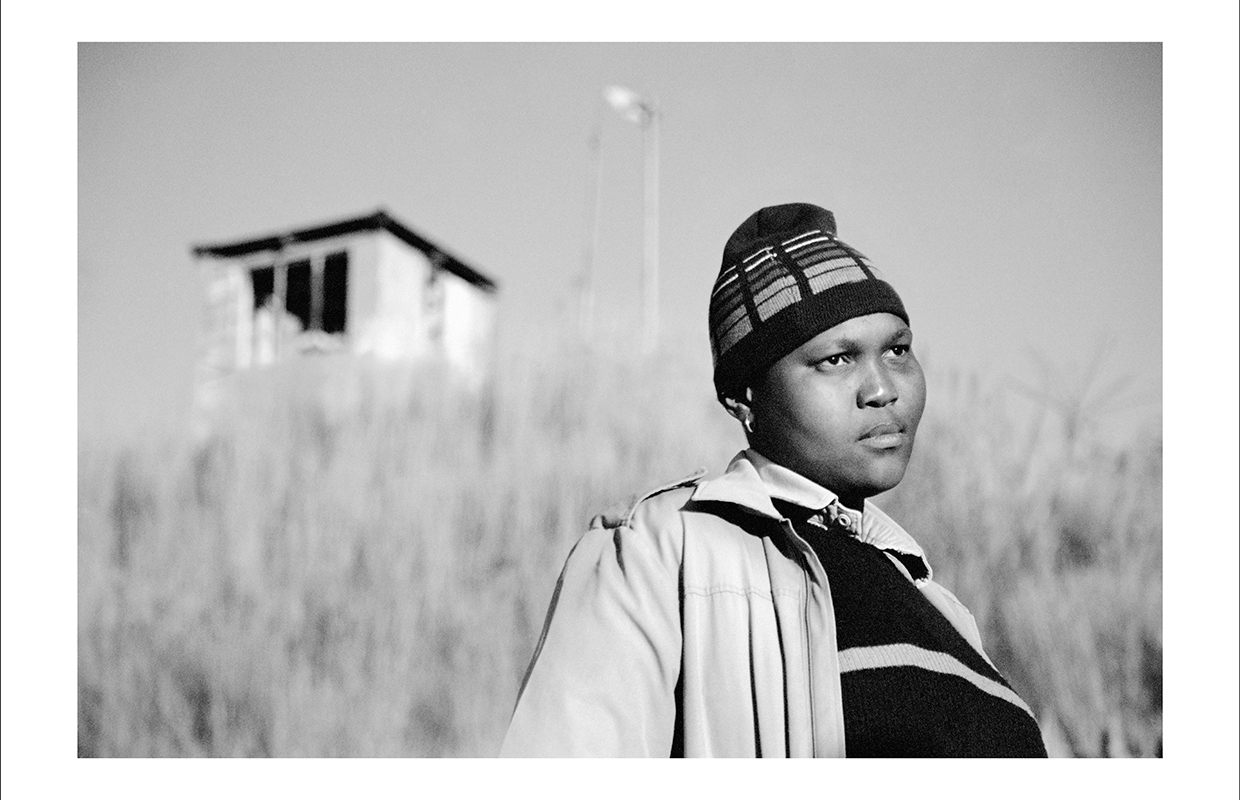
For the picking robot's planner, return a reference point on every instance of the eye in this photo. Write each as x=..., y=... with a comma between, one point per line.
x=833, y=360
x=900, y=350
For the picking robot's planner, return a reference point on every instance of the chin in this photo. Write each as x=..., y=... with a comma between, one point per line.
x=886, y=480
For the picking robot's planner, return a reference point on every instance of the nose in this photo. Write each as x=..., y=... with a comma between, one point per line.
x=877, y=388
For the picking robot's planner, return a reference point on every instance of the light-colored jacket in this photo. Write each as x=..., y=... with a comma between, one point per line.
x=700, y=624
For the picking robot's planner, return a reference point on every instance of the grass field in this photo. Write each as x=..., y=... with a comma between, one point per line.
x=362, y=568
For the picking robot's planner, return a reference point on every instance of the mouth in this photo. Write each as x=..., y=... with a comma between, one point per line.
x=884, y=437
x=882, y=430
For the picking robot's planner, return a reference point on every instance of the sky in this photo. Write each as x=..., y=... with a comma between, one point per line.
x=1012, y=193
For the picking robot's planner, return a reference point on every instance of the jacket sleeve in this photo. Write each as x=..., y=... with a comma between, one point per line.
x=956, y=613
x=603, y=677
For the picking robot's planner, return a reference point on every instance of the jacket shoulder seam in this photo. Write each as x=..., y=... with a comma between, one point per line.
x=691, y=479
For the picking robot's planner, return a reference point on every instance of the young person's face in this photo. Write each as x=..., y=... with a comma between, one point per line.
x=842, y=409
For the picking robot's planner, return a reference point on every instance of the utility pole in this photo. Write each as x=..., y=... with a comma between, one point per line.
x=641, y=111
x=650, y=275
x=586, y=289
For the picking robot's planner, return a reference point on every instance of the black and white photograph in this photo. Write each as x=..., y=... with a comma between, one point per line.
x=579, y=398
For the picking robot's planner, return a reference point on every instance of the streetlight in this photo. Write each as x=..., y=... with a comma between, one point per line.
x=640, y=111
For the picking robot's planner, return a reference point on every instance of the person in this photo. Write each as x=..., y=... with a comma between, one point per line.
x=775, y=610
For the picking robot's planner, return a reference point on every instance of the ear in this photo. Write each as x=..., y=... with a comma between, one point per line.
x=736, y=408
x=742, y=410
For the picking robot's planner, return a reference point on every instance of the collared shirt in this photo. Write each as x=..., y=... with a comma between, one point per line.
x=793, y=487
x=870, y=525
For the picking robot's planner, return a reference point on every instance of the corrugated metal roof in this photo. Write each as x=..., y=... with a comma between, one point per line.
x=376, y=221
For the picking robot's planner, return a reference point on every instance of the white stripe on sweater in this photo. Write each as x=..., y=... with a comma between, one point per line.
x=910, y=655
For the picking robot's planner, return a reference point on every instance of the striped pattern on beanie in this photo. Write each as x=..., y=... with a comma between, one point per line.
x=785, y=279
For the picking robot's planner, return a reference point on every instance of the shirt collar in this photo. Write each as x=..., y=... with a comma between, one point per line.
x=752, y=480
x=792, y=487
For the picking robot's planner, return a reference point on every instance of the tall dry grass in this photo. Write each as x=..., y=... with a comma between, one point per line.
x=1053, y=539
x=357, y=561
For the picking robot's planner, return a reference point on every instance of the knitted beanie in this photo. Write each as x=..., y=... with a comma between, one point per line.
x=785, y=279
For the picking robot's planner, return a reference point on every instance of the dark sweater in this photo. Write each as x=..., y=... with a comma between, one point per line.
x=912, y=685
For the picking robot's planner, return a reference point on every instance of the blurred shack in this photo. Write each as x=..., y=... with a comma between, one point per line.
x=366, y=286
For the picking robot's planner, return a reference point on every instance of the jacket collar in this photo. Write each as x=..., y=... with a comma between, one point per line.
x=752, y=481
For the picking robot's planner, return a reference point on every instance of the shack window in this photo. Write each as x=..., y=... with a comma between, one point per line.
x=317, y=297
x=299, y=296
x=335, y=292
x=264, y=281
